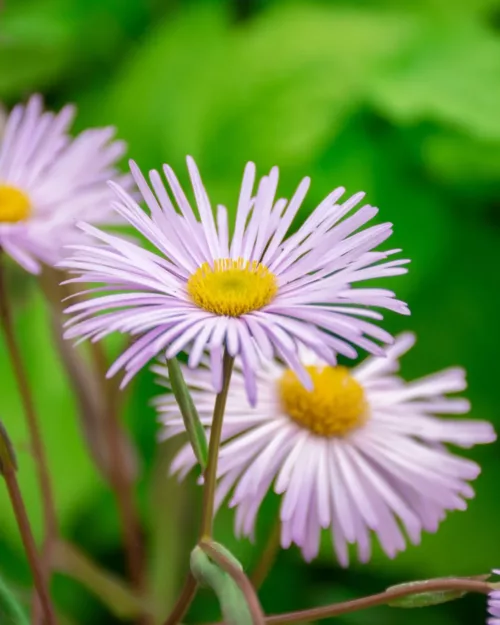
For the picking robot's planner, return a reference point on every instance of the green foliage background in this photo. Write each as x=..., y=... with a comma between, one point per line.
x=400, y=99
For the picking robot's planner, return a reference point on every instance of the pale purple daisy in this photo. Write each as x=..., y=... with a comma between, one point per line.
x=362, y=452
x=49, y=181
x=252, y=292
x=494, y=604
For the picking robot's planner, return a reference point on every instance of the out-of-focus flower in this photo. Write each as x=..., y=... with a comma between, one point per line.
x=362, y=452
x=49, y=181
x=251, y=292
x=494, y=605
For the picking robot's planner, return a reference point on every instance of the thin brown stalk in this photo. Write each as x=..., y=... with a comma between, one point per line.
x=185, y=599
x=238, y=575
x=36, y=442
x=337, y=609
x=38, y=572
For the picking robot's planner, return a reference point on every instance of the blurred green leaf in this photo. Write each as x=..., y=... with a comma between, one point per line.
x=465, y=164
x=34, y=45
x=234, y=87
x=451, y=75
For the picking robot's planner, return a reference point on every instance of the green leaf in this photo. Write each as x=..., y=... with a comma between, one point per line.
x=34, y=46
x=466, y=164
x=424, y=599
x=195, y=430
x=11, y=612
x=275, y=104
x=450, y=75
x=232, y=601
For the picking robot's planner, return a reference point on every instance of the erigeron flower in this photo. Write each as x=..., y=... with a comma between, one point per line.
x=362, y=452
x=494, y=604
x=49, y=180
x=251, y=292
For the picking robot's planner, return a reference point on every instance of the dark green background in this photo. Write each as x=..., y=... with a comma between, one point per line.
x=400, y=99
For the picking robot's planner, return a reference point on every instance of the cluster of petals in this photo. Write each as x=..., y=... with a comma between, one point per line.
x=144, y=293
x=393, y=476
x=63, y=179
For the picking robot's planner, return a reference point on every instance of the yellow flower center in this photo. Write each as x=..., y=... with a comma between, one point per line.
x=334, y=407
x=232, y=287
x=14, y=205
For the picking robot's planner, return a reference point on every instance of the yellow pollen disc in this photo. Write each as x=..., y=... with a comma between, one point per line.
x=334, y=407
x=14, y=205
x=232, y=287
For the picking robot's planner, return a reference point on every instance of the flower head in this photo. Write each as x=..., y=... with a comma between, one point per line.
x=48, y=181
x=494, y=604
x=253, y=292
x=363, y=451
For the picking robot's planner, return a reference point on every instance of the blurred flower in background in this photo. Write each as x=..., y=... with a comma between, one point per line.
x=401, y=101
x=48, y=181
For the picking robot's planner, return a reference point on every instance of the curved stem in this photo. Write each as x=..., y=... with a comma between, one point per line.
x=268, y=556
x=50, y=518
x=184, y=601
x=240, y=578
x=432, y=585
x=210, y=474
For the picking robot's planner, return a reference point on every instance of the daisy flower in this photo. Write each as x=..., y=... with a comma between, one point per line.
x=363, y=451
x=252, y=291
x=494, y=604
x=48, y=181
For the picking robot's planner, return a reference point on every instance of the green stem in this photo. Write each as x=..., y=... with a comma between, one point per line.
x=210, y=474
x=432, y=585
